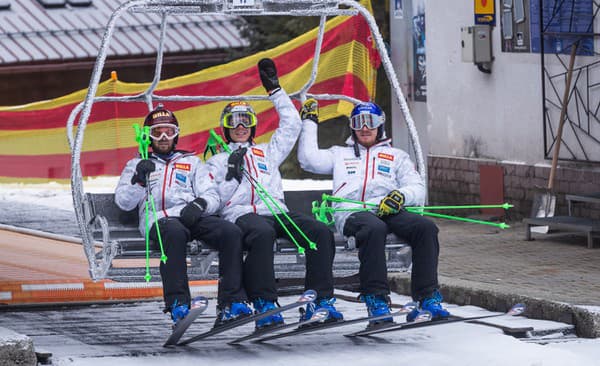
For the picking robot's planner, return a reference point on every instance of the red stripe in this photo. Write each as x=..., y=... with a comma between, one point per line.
x=244, y=81
x=112, y=161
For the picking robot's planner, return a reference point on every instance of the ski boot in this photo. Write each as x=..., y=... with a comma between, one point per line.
x=431, y=303
x=261, y=306
x=179, y=312
x=322, y=303
x=377, y=305
x=230, y=312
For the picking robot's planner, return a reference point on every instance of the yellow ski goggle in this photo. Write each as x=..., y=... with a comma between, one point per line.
x=234, y=119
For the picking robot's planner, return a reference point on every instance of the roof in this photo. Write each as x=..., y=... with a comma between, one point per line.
x=32, y=33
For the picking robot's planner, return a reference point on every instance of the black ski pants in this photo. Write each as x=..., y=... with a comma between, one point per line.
x=216, y=233
x=259, y=234
x=419, y=232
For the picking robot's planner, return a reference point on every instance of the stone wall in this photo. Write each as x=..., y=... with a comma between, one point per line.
x=455, y=180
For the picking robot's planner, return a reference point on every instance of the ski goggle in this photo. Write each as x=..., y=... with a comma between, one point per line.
x=372, y=121
x=234, y=119
x=163, y=130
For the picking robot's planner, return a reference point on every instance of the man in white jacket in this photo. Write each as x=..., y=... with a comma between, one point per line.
x=185, y=198
x=237, y=175
x=369, y=169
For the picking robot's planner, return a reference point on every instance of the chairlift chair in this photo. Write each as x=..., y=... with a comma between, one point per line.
x=100, y=249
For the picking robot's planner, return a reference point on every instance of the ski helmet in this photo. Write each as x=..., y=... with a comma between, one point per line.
x=367, y=114
x=235, y=114
x=162, y=116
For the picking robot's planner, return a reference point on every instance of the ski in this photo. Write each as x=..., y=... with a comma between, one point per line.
x=319, y=316
x=199, y=305
x=306, y=297
x=405, y=309
x=517, y=309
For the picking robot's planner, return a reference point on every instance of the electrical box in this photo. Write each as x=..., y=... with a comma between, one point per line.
x=476, y=43
x=466, y=42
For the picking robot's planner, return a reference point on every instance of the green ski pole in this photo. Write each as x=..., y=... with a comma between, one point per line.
x=142, y=137
x=501, y=225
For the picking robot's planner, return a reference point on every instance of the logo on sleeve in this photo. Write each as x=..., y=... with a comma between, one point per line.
x=183, y=166
x=385, y=156
x=258, y=152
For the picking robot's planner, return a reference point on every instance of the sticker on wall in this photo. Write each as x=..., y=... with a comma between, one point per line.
x=420, y=60
x=398, y=9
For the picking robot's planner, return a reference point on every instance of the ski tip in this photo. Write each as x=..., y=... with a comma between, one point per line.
x=409, y=306
x=423, y=316
x=308, y=296
x=199, y=302
x=517, y=309
x=320, y=315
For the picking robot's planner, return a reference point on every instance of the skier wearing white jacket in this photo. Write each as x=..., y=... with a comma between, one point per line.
x=369, y=169
x=237, y=174
x=185, y=199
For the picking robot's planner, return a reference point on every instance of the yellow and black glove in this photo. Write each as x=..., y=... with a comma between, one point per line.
x=310, y=110
x=391, y=204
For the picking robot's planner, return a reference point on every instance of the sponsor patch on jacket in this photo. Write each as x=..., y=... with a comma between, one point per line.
x=180, y=177
x=385, y=156
x=383, y=168
x=258, y=152
x=183, y=166
x=262, y=167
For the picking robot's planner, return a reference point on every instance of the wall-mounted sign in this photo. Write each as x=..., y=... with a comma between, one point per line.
x=485, y=12
x=398, y=9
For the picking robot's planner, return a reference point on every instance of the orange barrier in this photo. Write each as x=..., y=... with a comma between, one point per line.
x=44, y=292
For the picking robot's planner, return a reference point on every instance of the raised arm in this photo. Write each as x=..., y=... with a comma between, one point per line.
x=311, y=158
x=285, y=136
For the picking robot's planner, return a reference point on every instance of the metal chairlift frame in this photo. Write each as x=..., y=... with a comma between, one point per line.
x=100, y=263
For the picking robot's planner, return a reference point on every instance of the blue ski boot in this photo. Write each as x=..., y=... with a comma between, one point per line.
x=377, y=305
x=179, y=312
x=230, y=312
x=322, y=303
x=261, y=306
x=431, y=303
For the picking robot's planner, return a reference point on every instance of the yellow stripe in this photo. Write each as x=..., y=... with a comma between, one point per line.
x=119, y=132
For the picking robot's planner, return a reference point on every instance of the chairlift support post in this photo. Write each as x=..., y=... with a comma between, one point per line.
x=99, y=263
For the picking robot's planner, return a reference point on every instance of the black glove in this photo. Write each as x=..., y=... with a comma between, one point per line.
x=310, y=110
x=268, y=75
x=235, y=165
x=192, y=212
x=142, y=169
x=391, y=204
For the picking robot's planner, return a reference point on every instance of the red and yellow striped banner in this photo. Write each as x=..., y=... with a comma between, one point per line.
x=34, y=143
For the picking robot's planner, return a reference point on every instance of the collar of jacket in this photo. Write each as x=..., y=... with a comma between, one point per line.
x=350, y=142
x=237, y=145
x=176, y=155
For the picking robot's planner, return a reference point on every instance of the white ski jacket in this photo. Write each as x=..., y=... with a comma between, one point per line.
x=262, y=162
x=369, y=177
x=173, y=184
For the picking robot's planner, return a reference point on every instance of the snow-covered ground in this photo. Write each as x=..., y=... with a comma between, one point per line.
x=452, y=344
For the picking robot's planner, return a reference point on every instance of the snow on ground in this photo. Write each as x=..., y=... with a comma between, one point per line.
x=58, y=195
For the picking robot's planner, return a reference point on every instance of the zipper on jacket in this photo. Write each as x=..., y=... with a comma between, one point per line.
x=164, y=188
x=373, y=169
x=362, y=198
x=252, y=196
x=339, y=188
